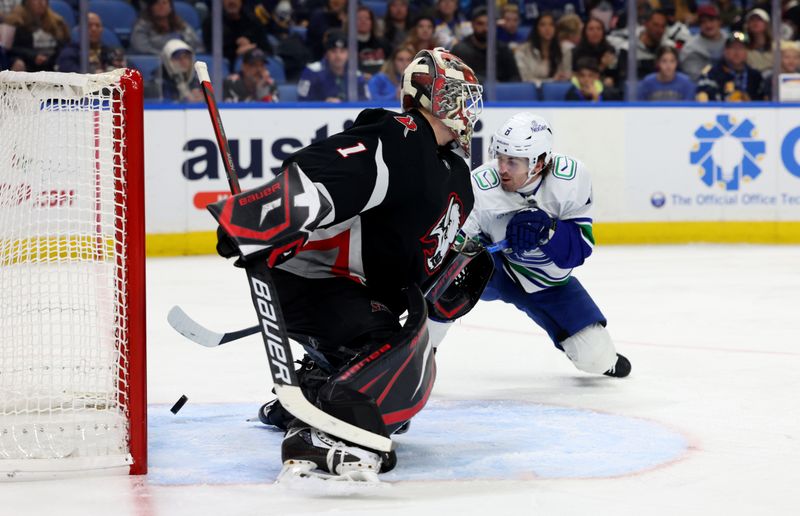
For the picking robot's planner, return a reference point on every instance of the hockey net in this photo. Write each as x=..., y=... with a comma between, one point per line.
x=72, y=361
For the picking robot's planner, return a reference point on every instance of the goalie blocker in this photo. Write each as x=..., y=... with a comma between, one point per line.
x=271, y=222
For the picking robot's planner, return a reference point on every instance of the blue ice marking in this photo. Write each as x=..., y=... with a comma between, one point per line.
x=449, y=440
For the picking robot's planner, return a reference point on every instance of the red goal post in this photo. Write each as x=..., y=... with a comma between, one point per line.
x=72, y=278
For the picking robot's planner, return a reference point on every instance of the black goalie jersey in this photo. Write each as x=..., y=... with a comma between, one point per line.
x=398, y=200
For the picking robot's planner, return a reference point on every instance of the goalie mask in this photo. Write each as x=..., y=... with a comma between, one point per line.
x=442, y=84
x=524, y=135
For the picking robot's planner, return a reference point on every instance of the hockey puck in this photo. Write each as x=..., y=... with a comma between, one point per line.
x=179, y=404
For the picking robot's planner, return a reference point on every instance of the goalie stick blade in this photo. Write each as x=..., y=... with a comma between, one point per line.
x=194, y=331
x=186, y=326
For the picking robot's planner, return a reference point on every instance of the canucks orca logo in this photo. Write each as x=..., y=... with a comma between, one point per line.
x=727, y=152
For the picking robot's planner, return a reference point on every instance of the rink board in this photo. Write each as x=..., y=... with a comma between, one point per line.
x=663, y=174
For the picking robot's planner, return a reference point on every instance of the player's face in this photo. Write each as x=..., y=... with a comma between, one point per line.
x=513, y=172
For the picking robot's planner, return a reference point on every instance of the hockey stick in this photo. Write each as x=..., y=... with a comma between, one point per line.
x=192, y=330
x=196, y=332
x=271, y=322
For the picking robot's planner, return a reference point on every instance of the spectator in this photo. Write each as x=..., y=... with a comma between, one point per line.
x=450, y=26
x=508, y=27
x=595, y=45
x=322, y=19
x=680, y=11
x=6, y=6
x=677, y=30
x=790, y=63
x=39, y=34
x=421, y=35
x=241, y=32
x=372, y=50
x=706, y=47
x=386, y=84
x=397, y=22
x=175, y=81
x=568, y=34
x=532, y=10
x=730, y=12
x=325, y=80
x=290, y=48
x=472, y=51
x=102, y=58
x=586, y=83
x=759, y=52
x=158, y=23
x=731, y=79
x=540, y=59
x=253, y=83
x=651, y=38
x=666, y=83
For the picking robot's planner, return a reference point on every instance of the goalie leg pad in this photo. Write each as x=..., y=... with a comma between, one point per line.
x=390, y=382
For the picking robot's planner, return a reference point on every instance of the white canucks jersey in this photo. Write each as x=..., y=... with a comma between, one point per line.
x=564, y=193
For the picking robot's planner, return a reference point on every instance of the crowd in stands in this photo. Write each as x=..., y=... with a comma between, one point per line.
x=286, y=50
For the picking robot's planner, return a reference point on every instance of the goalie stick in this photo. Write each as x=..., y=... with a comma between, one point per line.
x=196, y=332
x=271, y=322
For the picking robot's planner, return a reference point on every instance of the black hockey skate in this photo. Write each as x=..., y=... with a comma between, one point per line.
x=310, y=453
x=621, y=369
x=272, y=413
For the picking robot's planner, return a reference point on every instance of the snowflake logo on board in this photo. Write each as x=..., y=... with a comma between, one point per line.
x=728, y=152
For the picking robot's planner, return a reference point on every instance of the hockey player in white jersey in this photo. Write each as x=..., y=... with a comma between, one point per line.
x=540, y=203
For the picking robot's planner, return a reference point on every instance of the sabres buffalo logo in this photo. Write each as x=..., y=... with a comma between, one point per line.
x=436, y=243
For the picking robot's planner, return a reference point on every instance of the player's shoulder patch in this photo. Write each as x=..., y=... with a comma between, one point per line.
x=316, y=66
x=564, y=167
x=406, y=121
x=486, y=178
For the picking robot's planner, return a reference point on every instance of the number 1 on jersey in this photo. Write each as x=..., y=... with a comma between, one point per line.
x=355, y=149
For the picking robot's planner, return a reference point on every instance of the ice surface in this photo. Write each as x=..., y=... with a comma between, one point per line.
x=707, y=423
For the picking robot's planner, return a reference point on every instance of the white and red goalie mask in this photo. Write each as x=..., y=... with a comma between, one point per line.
x=442, y=84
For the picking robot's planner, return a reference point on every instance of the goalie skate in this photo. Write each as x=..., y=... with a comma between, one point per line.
x=311, y=453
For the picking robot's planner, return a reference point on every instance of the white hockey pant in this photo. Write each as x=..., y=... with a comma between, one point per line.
x=591, y=349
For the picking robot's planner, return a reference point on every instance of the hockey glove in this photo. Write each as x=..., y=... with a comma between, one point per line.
x=528, y=229
x=226, y=247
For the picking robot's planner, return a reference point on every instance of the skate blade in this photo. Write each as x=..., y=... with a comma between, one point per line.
x=304, y=473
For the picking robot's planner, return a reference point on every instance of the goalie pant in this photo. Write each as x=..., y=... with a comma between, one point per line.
x=396, y=203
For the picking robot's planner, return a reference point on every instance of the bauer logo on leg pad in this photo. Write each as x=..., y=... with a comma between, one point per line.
x=281, y=372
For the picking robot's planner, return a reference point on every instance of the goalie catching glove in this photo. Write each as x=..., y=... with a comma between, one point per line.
x=272, y=221
x=467, y=270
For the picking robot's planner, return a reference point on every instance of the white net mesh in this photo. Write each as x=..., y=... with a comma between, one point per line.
x=63, y=313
